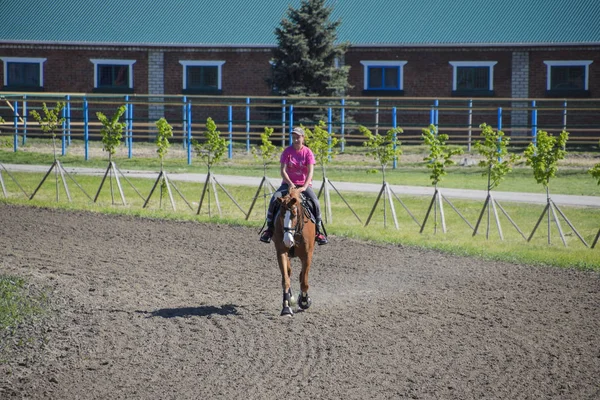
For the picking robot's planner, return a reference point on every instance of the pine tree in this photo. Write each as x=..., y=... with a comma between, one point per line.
x=304, y=63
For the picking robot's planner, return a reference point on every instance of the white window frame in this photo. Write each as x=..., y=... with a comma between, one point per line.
x=489, y=64
x=39, y=61
x=378, y=63
x=203, y=63
x=568, y=63
x=99, y=61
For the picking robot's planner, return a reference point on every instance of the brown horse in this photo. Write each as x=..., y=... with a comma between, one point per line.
x=294, y=236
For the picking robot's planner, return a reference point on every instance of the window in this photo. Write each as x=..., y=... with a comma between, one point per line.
x=23, y=74
x=473, y=78
x=201, y=77
x=113, y=76
x=383, y=77
x=567, y=78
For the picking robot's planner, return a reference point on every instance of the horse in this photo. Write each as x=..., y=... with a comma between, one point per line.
x=294, y=236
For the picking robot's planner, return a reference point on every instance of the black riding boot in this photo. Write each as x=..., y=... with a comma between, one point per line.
x=320, y=237
x=268, y=233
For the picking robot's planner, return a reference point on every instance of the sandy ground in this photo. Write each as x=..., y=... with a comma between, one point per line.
x=152, y=309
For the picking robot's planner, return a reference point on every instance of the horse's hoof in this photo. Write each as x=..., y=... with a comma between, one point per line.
x=304, y=302
x=292, y=299
x=287, y=311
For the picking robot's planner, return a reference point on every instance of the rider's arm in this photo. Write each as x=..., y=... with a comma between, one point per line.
x=285, y=176
x=309, y=176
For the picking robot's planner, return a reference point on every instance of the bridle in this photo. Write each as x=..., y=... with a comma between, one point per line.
x=296, y=211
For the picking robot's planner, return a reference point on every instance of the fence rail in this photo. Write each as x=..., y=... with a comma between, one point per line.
x=243, y=119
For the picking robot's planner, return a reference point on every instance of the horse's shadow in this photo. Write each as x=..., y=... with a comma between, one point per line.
x=186, y=312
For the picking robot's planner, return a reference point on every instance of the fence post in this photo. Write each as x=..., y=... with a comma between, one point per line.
x=129, y=128
x=394, y=125
x=431, y=116
x=86, y=132
x=565, y=116
x=69, y=119
x=436, y=103
x=184, y=125
x=24, y=132
x=126, y=121
x=63, y=139
x=499, y=129
x=283, y=112
x=533, y=123
x=248, y=125
x=16, y=125
x=470, y=124
x=189, y=131
x=342, y=122
x=229, y=117
x=376, y=116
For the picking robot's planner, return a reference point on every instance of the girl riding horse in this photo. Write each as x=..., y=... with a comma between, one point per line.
x=297, y=166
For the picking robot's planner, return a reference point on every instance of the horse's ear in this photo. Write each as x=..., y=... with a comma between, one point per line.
x=279, y=199
x=293, y=201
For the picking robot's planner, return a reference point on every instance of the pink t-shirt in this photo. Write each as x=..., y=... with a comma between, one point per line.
x=297, y=163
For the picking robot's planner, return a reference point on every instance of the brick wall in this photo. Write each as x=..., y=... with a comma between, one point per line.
x=519, y=72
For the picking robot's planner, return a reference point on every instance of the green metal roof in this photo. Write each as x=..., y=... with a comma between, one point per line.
x=248, y=23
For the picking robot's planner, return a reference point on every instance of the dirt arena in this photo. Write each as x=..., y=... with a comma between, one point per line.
x=152, y=309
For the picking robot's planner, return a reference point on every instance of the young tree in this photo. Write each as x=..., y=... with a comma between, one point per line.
x=544, y=156
x=213, y=148
x=165, y=131
x=112, y=131
x=211, y=151
x=50, y=121
x=382, y=148
x=304, y=61
x=439, y=153
x=267, y=151
x=497, y=161
x=438, y=159
x=322, y=144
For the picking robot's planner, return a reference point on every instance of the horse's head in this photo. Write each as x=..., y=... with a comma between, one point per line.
x=289, y=211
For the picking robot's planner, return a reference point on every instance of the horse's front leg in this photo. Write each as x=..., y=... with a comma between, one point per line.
x=286, y=270
x=304, y=300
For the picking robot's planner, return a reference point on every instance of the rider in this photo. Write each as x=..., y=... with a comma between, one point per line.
x=297, y=166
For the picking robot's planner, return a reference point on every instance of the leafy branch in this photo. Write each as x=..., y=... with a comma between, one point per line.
x=497, y=160
x=383, y=148
x=439, y=153
x=322, y=144
x=544, y=157
x=165, y=131
x=112, y=131
x=267, y=151
x=213, y=149
x=50, y=121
